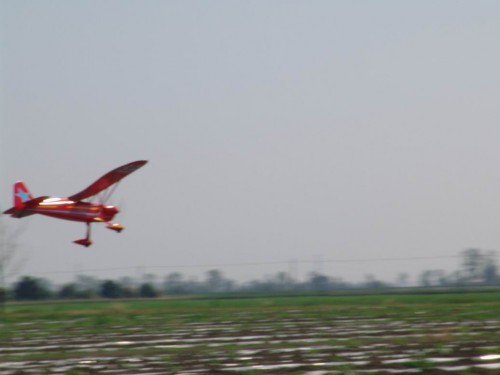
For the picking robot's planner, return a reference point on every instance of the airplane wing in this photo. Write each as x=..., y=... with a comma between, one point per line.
x=108, y=179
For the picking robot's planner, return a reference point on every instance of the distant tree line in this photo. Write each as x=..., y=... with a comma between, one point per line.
x=477, y=268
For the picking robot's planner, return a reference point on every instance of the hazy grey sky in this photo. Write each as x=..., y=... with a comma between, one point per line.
x=275, y=130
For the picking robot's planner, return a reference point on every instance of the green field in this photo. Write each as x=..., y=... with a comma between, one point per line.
x=256, y=334
x=483, y=304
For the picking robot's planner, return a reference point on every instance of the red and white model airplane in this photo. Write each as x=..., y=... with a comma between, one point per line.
x=74, y=207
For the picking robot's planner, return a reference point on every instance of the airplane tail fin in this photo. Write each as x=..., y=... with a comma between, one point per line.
x=21, y=195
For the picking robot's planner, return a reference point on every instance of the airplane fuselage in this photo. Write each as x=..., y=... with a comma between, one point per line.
x=62, y=208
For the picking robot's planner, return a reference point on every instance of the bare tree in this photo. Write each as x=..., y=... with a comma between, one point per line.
x=9, y=262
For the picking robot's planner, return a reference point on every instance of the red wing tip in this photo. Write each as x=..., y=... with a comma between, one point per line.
x=141, y=162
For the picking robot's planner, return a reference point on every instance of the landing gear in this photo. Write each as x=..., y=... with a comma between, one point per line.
x=116, y=227
x=85, y=241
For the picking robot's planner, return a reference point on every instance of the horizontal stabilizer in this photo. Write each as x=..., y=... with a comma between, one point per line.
x=22, y=211
x=18, y=212
x=10, y=211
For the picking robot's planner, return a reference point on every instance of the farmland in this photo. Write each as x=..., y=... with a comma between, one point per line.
x=330, y=334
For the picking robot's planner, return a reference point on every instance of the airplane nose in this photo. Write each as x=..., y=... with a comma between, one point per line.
x=110, y=211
